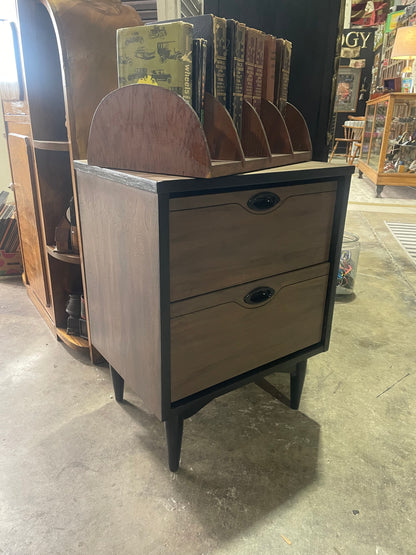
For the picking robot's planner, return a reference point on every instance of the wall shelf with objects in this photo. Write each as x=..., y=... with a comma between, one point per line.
x=388, y=154
x=169, y=139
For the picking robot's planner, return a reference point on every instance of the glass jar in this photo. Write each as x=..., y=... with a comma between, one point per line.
x=348, y=264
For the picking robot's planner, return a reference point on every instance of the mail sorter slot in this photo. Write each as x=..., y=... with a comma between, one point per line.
x=226, y=239
x=223, y=334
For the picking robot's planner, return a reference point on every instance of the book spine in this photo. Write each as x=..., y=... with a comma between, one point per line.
x=285, y=72
x=220, y=59
x=186, y=62
x=269, y=67
x=258, y=70
x=231, y=35
x=204, y=51
x=249, y=59
x=199, y=57
x=196, y=76
x=238, y=69
x=278, y=71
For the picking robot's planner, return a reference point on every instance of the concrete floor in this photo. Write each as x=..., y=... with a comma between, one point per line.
x=81, y=474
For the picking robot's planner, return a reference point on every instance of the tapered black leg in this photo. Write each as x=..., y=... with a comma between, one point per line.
x=118, y=385
x=379, y=190
x=174, y=431
x=360, y=174
x=296, y=384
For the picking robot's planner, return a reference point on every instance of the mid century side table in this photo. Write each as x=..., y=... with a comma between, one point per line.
x=199, y=286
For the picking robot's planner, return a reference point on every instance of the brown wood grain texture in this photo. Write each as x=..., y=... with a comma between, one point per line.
x=55, y=188
x=244, y=245
x=87, y=34
x=221, y=134
x=18, y=128
x=120, y=238
x=229, y=339
x=62, y=146
x=253, y=134
x=298, y=130
x=238, y=292
x=24, y=180
x=63, y=256
x=73, y=341
x=142, y=127
x=15, y=108
x=275, y=128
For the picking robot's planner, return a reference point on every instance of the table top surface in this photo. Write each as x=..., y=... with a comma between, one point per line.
x=169, y=184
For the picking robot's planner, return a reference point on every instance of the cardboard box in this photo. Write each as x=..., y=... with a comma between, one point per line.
x=10, y=263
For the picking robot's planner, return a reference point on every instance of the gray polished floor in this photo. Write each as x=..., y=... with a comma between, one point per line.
x=81, y=474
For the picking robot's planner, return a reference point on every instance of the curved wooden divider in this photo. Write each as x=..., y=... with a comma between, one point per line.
x=298, y=130
x=149, y=129
x=253, y=135
x=222, y=137
x=275, y=128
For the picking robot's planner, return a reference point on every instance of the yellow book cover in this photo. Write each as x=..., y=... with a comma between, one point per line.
x=158, y=55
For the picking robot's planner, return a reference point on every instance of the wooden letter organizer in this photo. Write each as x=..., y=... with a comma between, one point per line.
x=149, y=129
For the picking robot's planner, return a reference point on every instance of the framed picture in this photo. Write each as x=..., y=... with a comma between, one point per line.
x=348, y=87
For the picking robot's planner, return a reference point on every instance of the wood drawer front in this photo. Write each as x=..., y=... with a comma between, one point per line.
x=217, y=241
x=218, y=336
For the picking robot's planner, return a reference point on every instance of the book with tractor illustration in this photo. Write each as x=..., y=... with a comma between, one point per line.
x=158, y=55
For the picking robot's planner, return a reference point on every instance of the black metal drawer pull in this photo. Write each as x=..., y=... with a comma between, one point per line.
x=263, y=201
x=259, y=295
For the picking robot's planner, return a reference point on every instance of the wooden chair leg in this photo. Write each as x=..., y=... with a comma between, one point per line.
x=333, y=151
x=348, y=153
x=357, y=153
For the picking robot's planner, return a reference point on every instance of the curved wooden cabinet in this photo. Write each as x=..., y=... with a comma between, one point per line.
x=66, y=51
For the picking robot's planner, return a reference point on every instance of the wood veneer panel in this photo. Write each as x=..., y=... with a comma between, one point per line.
x=298, y=130
x=24, y=181
x=155, y=129
x=231, y=338
x=221, y=134
x=120, y=239
x=216, y=241
x=275, y=128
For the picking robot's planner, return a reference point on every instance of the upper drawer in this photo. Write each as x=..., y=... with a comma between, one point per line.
x=226, y=239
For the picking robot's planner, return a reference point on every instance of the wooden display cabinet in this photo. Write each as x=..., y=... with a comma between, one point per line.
x=388, y=153
x=66, y=63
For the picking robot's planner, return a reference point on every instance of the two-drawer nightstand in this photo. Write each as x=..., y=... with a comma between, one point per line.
x=199, y=286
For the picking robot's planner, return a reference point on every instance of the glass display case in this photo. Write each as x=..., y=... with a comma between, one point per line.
x=388, y=153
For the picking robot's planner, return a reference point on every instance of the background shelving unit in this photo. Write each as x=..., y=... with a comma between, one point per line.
x=390, y=122
x=47, y=120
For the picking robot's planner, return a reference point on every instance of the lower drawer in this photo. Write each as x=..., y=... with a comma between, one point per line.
x=223, y=334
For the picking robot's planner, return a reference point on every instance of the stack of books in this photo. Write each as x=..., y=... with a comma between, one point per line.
x=9, y=238
x=206, y=53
